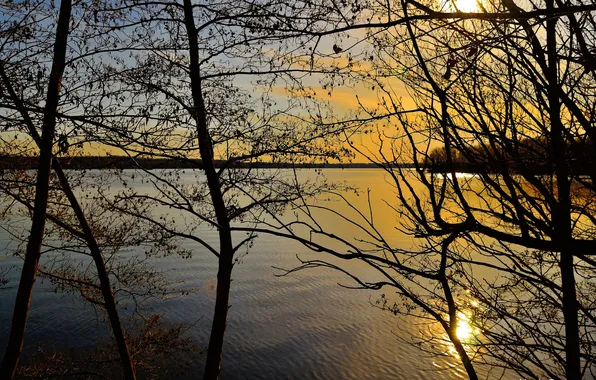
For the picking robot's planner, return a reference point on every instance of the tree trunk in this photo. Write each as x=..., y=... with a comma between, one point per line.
x=29, y=271
x=102, y=273
x=570, y=316
x=226, y=251
x=463, y=355
x=451, y=329
x=104, y=279
x=220, y=318
x=561, y=209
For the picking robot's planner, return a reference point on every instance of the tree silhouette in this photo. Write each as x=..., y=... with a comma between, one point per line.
x=487, y=92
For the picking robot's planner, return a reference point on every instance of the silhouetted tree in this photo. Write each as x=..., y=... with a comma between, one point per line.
x=176, y=97
x=25, y=40
x=486, y=91
x=29, y=271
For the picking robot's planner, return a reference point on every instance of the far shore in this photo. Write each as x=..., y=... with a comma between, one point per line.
x=148, y=163
x=122, y=162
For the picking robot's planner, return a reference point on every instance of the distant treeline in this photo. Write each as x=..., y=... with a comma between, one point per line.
x=121, y=162
x=528, y=156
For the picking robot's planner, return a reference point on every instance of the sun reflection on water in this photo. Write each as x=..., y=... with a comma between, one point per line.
x=467, y=331
x=464, y=330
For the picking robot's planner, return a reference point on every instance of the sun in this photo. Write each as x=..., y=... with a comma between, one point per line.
x=465, y=5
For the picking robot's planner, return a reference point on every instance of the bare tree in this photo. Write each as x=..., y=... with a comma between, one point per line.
x=9, y=363
x=509, y=92
x=21, y=111
x=175, y=98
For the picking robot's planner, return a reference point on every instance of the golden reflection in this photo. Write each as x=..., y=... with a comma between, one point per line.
x=464, y=330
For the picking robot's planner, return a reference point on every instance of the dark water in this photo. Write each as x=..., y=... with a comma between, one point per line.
x=303, y=326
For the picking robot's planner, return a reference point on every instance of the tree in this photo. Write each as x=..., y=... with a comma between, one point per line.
x=177, y=99
x=168, y=84
x=494, y=104
x=21, y=110
x=9, y=363
x=485, y=90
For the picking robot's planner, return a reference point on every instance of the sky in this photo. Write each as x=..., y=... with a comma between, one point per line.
x=343, y=100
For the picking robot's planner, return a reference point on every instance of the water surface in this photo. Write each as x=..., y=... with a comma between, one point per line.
x=302, y=326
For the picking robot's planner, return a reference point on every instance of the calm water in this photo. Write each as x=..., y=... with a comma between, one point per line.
x=302, y=326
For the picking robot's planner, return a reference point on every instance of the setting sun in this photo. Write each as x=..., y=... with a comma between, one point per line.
x=465, y=5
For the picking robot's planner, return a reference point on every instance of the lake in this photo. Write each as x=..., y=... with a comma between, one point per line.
x=301, y=326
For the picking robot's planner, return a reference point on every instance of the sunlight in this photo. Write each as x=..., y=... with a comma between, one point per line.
x=465, y=5
x=464, y=330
